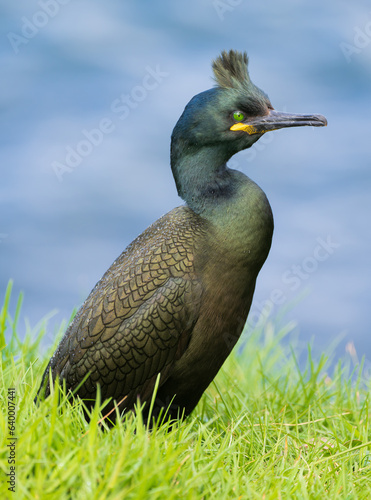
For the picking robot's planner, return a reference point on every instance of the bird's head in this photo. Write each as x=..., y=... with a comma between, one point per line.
x=231, y=116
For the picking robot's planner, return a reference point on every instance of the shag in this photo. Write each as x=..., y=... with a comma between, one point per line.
x=176, y=300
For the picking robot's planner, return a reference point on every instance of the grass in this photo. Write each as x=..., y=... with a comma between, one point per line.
x=263, y=430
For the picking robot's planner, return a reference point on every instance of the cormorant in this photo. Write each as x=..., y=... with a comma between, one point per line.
x=175, y=301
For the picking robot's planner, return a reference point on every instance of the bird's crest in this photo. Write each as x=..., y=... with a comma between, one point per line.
x=230, y=69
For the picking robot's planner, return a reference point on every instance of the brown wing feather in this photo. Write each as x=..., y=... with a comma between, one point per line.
x=137, y=320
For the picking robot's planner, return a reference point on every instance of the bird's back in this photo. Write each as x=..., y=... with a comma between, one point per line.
x=137, y=320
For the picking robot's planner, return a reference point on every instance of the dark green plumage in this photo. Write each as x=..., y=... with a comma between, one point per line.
x=176, y=300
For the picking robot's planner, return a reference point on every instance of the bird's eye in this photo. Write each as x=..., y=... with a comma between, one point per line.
x=238, y=116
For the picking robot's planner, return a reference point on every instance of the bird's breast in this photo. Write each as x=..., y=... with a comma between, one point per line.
x=241, y=232
x=228, y=258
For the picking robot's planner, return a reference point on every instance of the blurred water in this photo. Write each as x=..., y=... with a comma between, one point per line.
x=65, y=66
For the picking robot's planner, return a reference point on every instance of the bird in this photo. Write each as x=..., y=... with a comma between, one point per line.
x=167, y=313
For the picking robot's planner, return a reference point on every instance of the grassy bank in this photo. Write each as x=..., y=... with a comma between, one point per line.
x=264, y=429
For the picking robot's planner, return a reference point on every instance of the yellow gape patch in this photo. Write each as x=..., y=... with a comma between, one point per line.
x=249, y=129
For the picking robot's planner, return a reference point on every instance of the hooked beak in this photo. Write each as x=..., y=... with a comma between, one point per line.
x=275, y=120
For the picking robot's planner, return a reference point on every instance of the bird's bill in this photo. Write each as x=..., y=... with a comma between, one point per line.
x=275, y=120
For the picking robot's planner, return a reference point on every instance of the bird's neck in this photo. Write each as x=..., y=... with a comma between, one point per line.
x=203, y=179
x=236, y=208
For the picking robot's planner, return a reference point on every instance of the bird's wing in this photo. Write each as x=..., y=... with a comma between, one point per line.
x=134, y=325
